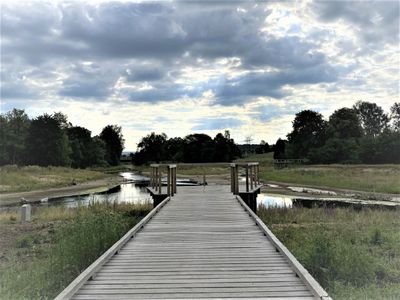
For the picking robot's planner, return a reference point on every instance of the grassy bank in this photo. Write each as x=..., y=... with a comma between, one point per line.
x=60, y=244
x=353, y=254
x=20, y=179
x=369, y=178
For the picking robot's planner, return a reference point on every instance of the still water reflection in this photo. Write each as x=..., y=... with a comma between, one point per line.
x=128, y=193
x=269, y=200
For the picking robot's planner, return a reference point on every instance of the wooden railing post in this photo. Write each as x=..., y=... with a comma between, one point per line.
x=236, y=179
x=168, y=180
x=247, y=177
x=232, y=178
x=174, y=188
x=159, y=180
x=251, y=177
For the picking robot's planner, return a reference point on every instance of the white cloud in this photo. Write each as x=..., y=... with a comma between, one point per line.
x=158, y=66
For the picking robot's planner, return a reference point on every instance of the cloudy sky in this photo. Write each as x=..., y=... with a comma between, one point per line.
x=189, y=66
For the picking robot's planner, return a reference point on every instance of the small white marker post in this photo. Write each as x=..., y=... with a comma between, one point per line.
x=26, y=213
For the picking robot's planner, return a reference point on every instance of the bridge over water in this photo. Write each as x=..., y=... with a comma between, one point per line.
x=199, y=242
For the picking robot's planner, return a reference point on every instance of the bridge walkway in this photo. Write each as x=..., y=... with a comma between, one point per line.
x=203, y=243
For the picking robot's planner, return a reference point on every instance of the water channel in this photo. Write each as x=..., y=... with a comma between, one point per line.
x=134, y=191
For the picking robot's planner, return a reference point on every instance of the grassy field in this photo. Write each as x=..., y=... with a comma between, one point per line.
x=369, y=178
x=20, y=179
x=352, y=254
x=41, y=258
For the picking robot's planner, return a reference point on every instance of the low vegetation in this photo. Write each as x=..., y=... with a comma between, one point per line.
x=19, y=179
x=40, y=264
x=369, y=178
x=353, y=254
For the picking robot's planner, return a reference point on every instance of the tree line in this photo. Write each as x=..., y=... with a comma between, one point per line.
x=364, y=133
x=195, y=148
x=50, y=140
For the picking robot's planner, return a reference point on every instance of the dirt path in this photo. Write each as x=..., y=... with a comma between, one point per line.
x=79, y=189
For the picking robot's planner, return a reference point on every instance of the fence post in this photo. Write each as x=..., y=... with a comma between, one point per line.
x=26, y=213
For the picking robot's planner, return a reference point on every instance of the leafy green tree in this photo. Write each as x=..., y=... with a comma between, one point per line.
x=80, y=140
x=308, y=132
x=198, y=148
x=224, y=148
x=373, y=119
x=279, y=149
x=344, y=123
x=4, y=157
x=97, y=150
x=395, y=115
x=114, y=141
x=62, y=120
x=14, y=129
x=47, y=143
x=380, y=150
x=336, y=150
x=151, y=148
x=173, y=149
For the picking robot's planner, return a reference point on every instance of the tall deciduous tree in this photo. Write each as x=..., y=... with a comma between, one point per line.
x=198, y=148
x=15, y=131
x=279, y=149
x=373, y=119
x=308, y=132
x=395, y=116
x=114, y=141
x=344, y=123
x=80, y=140
x=47, y=143
x=151, y=148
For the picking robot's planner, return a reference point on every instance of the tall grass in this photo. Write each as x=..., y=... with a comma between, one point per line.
x=353, y=254
x=19, y=179
x=74, y=245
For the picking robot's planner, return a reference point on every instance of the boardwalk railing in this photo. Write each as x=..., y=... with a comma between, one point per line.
x=284, y=163
x=252, y=171
x=156, y=178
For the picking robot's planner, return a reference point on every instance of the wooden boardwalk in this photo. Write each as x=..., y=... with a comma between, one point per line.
x=203, y=243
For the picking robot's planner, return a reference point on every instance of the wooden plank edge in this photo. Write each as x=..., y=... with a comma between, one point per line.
x=301, y=272
x=90, y=271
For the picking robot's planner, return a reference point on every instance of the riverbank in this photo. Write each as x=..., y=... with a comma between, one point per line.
x=33, y=183
x=353, y=254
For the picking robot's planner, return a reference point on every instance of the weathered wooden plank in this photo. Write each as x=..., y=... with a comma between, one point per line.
x=298, y=291
x=191, y=295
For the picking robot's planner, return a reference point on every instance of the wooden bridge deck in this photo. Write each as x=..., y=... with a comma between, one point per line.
x=202, y=244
